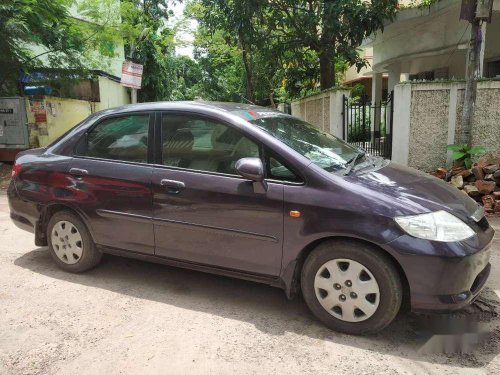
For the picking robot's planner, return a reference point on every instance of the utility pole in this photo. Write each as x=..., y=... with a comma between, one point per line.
x=143, y=34
x=133, y=95
x=474, y=11
x=471, y=76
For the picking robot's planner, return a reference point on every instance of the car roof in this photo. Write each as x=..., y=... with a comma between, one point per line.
x=189, y=105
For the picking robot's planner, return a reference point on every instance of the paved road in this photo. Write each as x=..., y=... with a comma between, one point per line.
x=128, y=316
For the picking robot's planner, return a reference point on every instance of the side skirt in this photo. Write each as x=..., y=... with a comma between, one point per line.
x=272, y=281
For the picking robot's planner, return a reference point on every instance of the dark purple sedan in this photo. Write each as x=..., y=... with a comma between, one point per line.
x=253, y=193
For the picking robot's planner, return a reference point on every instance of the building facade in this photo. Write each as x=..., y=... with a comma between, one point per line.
x=425, y=43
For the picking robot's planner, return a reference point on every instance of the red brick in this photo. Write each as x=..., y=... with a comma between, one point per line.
x=485, y=187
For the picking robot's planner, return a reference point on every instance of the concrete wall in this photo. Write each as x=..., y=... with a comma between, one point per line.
x=62, y=114
x=112, y=94
x=323, y=110
x=427, y=117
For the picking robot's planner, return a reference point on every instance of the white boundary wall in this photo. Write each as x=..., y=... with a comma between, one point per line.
x=428, y=116
x=323, y=110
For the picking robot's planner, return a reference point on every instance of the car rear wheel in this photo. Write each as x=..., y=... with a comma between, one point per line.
x=351, y=287
x=70, y=243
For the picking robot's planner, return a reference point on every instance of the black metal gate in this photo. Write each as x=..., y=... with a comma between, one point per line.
x=369, y=125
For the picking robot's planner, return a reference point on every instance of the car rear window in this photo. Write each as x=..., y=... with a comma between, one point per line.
x=119, y=138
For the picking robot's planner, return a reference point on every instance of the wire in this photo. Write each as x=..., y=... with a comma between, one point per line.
x=458, y=44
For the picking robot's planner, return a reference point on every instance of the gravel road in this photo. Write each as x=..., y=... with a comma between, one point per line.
x=132, y=317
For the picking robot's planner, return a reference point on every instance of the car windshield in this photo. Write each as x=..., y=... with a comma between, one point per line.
x=323, y=149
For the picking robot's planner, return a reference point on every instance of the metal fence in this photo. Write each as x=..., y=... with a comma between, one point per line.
x=361, y=129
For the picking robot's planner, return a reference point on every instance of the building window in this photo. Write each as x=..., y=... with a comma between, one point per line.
x=492, y=69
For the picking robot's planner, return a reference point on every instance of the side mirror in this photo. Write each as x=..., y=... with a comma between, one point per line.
x=252, y=169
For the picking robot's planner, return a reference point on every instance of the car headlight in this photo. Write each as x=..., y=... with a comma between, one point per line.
x=435, y=226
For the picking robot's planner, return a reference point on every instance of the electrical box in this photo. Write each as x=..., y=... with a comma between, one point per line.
x=14, y=135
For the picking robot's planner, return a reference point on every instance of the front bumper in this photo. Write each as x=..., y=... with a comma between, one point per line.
x=444, y=276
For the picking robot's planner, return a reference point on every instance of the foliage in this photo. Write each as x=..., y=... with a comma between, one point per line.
x=42, y=35
x=465, y=153
x=331, y=28
x=236, y=23
x=148, y=43
x=244, y=50
x=419, y=4
x=286, y=48
x=222, y=76
x=357, y=91
x=45, y=23
x=151, y=42
x=243, y=59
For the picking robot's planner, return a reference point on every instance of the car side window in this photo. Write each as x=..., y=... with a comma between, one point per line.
x=119, y=138
x=279, y=171
x=193, y=142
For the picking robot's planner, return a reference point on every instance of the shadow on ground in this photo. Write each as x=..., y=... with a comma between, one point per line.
x=265, y=307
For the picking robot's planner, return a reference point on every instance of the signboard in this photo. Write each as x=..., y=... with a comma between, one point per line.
x=40, y=117
x=37, y=106
x=484, y=9
x=131, y=75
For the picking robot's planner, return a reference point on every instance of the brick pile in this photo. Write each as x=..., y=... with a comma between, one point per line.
x=481, y=182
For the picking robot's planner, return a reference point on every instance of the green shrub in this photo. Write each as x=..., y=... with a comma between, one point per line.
x=465, y=153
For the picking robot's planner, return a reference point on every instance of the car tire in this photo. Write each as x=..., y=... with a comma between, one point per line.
x=71, y=244
x=374, y=270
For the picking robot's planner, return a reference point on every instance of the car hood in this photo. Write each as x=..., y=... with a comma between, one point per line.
x=413, y=192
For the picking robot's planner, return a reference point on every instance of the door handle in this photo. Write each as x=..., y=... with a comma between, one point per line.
x=172, y=186
x=78, y=172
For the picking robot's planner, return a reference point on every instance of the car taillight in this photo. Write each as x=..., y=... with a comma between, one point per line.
x=16, y=169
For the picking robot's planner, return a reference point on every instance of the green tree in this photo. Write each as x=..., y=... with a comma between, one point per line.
x=292, y=48
x=42, y=35
x=237, y=22
x=333, y=29
x=219, y=59
x=221, y=66
x=151, y=42
x=188, y=77
x=44, y=24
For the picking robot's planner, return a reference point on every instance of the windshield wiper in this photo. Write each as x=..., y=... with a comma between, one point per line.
x=351, y=163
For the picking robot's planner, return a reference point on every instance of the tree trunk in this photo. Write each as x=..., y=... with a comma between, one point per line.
x=248, y=75
x=326, y=69
x=327, y=45
x=271, y=99
x=471, y=75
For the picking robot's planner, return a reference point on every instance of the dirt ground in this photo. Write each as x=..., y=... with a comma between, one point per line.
x=5, y=171
x=132, y=317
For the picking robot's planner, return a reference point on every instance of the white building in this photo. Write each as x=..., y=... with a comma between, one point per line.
x=426, y=43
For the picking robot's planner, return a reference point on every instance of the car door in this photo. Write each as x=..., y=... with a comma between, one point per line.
x=204, y=212
x=112, y=176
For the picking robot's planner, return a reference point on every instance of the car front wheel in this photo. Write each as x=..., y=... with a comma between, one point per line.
x=351, y=286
